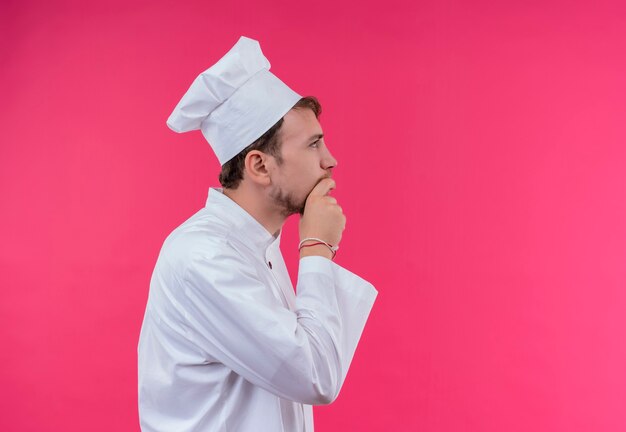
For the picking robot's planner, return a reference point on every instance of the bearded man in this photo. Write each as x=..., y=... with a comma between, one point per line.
x=226, y=344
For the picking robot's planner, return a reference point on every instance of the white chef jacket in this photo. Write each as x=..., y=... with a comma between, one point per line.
x=226, y=344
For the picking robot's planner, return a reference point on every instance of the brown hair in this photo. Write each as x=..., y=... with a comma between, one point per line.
x=269, y=143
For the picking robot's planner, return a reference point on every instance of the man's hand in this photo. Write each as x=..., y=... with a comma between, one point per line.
x=322, y=218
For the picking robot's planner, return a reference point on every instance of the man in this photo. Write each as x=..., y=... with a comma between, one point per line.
x=226, y=344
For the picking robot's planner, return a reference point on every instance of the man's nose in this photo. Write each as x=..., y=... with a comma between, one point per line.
x=328, y=161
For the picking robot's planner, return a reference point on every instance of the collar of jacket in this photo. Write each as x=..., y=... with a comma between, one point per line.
x=245, y=228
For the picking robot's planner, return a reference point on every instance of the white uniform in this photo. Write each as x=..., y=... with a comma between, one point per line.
x=226, y=345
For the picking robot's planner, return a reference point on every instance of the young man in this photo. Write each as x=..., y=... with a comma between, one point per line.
x=226, y=344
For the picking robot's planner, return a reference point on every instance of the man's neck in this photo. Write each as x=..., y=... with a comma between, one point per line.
x=256, y=204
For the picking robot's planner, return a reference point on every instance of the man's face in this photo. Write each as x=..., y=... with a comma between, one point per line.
x=306, y=161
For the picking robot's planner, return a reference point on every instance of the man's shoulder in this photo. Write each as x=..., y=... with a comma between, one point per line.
x=204, y=233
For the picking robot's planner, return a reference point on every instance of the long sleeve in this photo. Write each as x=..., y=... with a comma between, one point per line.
x=302, y=356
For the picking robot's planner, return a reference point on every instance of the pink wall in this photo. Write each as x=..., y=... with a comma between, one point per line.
x=482, y=168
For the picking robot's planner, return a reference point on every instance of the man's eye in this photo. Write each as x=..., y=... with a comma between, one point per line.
x=315, y=144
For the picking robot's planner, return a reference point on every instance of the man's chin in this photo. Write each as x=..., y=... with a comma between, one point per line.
x=287, y=203
x=293, y=211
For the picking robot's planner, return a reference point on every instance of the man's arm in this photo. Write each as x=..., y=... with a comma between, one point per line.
x=302, y=356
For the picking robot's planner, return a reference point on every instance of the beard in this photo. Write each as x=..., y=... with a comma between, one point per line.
x=287, y=203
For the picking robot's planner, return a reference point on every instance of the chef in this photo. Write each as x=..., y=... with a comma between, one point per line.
x=226, y=344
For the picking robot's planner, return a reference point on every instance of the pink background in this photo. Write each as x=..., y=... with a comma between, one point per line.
x=482, y=168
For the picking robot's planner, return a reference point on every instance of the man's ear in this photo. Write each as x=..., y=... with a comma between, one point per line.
x=256, y=167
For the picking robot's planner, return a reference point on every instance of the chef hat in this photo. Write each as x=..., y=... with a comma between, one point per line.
x=235, y=101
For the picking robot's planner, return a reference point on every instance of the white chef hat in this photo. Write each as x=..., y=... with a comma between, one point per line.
x=235, y=101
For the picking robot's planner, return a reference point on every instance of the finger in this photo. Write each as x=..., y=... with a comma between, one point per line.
x=330, y=199
x=323, y=187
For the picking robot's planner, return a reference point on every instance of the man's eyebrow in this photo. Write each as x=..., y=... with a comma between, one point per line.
x=316, y=137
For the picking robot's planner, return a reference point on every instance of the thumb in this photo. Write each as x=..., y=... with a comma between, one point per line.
x=323, y=187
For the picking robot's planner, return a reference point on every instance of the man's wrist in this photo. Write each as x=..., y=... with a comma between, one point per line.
x=309, y=242
x=317, y=250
